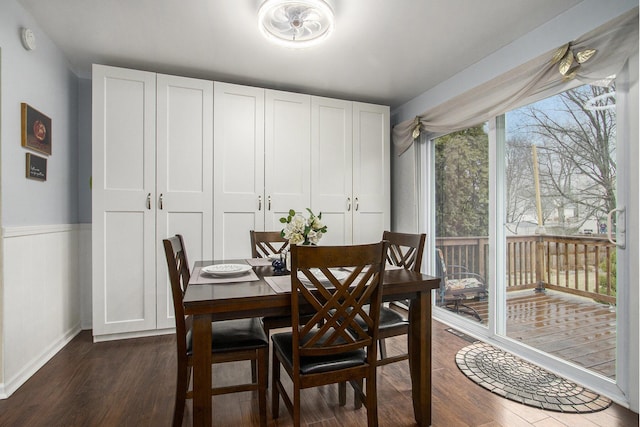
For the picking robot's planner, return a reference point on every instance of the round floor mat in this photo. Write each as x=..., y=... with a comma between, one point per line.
x=513, y=378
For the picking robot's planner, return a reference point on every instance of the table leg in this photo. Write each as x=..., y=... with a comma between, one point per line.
x=420, y=357
x=202, y=371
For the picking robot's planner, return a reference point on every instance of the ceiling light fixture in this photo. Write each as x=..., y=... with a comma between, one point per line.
x=296, y=23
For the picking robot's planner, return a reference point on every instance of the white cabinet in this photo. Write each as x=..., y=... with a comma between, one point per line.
x=152, y=178
x=158, y=172
x=350, y=169
x=261, y=162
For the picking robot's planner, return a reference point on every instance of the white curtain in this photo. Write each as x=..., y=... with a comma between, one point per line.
x=614, y=43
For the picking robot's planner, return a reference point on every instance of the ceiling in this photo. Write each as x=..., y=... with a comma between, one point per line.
x=382, y=51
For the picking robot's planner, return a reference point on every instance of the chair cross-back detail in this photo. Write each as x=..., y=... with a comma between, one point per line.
x=336, y=282
x=231, y=340
x=265, y=243
x=405, y=250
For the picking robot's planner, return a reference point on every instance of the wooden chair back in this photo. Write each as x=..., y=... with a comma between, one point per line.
x=264, y=243
x=336, y=301
x=405, y=250
x=179, y=275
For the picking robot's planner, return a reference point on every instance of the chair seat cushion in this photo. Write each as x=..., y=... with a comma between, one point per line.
x=388, y=319
x=283, y=344
x=231, y=335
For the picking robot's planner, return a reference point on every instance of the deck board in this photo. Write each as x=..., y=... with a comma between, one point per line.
x=574, y=328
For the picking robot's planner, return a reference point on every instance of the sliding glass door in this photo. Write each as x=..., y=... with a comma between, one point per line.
x=561, y=180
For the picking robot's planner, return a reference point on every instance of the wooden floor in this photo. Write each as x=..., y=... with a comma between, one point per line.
x=131, y=383
x=573, y=328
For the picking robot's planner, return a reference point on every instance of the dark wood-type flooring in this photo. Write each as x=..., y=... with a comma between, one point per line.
x=571, y=327
x=131, y=383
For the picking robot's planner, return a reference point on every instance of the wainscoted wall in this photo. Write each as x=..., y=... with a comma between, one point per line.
x=46, y=273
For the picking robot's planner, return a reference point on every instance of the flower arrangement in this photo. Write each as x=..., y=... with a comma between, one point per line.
x=301, y=230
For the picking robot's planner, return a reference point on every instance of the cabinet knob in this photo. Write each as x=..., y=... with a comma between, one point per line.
x=149, y=201
x=160, y=201
x=259, y=203
x=269, y=201
x=356, y=204
x=348, y=204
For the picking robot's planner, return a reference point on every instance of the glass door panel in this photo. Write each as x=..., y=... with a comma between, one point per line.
x=560, y=182
x=462, y=220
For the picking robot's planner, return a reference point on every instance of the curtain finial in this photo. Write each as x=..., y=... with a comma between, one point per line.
x=569, y=61
x=416, y=128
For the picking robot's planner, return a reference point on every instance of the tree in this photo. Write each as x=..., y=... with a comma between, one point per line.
x=577, y=155
x=462, y=180
x=519, y=180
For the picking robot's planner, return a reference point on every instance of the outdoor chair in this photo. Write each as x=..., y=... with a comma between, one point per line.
x=457, y=285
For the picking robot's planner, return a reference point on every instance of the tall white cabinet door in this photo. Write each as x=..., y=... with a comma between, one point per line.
x=371, y=172
x=184, y=176
x=238, y=158
x=331, y=167
x=123, y=201
x=287, y=155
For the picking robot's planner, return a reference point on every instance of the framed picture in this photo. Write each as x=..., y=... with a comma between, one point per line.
x=36, y=129
x=36, y=167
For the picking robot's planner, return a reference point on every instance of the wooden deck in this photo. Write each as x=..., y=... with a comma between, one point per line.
x=571, y=327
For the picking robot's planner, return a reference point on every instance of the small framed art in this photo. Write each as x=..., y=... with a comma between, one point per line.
x=36, y=129
x=36, y=167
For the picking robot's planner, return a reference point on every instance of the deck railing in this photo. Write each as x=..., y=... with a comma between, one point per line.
x=581, y=265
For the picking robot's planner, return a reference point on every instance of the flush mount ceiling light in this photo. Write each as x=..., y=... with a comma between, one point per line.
x=295, y=23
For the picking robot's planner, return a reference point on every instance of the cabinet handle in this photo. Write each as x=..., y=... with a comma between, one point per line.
x=269, y=207
x=357, y=205
x=259, y=203
x=149, y=201
x=348, y=204
x=160, y=202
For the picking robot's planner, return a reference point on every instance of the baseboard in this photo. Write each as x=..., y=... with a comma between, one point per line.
x=130, y=335
x=13, y=384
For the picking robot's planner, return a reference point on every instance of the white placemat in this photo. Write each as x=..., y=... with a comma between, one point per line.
x=280, y=284
x=258, y=262
x=200, y=278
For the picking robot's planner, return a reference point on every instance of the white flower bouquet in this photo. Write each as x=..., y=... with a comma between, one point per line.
x=300, y=230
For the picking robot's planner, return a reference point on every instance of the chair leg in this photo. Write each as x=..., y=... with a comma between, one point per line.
x=296, y=404
x=342, y=393
x=275, y=392
x=263, y=367
x=383, y=349
x=357, y=399
x=182, y=384
x=372, y=401
x=254, y=371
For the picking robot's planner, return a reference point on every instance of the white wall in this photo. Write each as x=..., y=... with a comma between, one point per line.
x=40, y=288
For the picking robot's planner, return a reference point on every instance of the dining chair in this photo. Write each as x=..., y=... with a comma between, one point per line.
x=405, y=250
x=263, y=244
x=336, y=282
x=231, y=340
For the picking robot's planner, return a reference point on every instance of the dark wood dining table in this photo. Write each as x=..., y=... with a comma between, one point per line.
x=222, y=301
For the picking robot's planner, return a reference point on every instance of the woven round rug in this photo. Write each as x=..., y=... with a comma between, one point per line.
x=513, y=378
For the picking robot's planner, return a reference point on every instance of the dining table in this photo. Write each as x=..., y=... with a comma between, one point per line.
x=259, y=295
